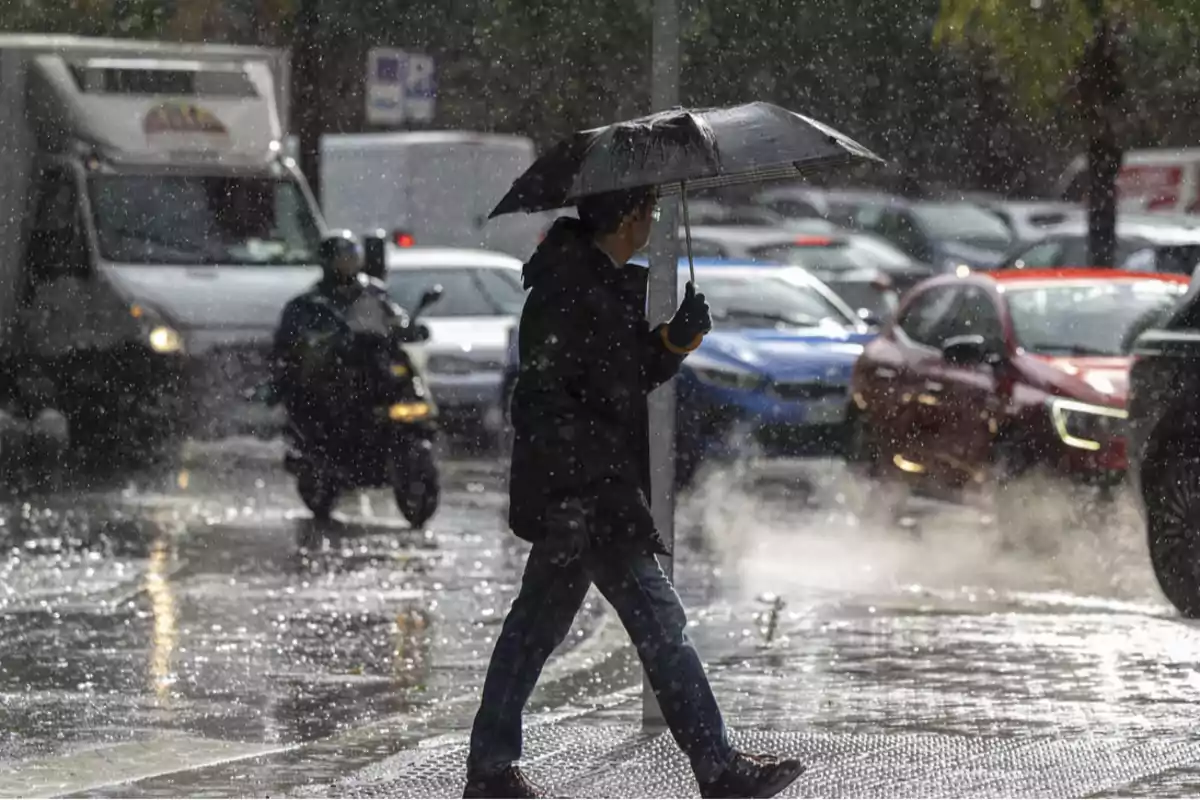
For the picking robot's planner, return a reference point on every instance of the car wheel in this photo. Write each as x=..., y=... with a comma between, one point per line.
x=1171, y=494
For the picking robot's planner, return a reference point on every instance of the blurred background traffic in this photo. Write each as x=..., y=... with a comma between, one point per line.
x=168, y=190
x=961, y=380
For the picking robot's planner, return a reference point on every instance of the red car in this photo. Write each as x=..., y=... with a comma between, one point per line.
x=987, y=374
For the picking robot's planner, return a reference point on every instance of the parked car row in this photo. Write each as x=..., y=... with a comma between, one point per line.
x=1022, y=347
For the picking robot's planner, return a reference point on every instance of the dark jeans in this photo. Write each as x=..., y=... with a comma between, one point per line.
x=541, y=617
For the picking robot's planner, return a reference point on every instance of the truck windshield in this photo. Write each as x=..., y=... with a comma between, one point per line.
x=182, y=219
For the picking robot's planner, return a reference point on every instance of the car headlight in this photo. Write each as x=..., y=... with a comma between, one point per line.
x=728, y=378
x=1084, y=425
x=161, y=337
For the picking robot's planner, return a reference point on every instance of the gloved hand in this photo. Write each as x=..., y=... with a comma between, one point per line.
x=691, y=321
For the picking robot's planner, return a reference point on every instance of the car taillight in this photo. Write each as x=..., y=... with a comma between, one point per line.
x=813, y=241
x=403, y=239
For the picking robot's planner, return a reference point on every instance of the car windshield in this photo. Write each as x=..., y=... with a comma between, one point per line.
x=765, y=302
x=882, y=254
x=964, y=222
x=1072, y=251
x=832, y=258
x=466, y=291
x=880, y=303
x=182, y=219
x=1084, y=318
x=1171, y=259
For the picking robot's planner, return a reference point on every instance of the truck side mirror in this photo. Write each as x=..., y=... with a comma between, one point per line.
x=375, y=255
x=430, y=297
x=56, y=252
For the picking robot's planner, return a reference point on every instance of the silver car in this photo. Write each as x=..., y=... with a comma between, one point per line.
x=469, y=326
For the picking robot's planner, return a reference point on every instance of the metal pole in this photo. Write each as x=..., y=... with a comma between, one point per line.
x=664, y=267
x=306, y=82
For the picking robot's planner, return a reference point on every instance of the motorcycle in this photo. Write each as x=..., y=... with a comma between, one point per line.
x=383, y=434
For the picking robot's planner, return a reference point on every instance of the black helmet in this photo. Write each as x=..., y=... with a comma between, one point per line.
x=339, y=244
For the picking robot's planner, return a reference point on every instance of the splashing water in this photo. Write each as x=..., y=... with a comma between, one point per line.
x=817, y=528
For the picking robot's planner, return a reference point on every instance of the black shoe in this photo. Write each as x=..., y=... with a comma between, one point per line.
x=753, y=776
x=509, y=782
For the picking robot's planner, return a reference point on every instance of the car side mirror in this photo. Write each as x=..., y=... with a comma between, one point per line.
x=430, y=297
x=969, y=350
x=869, y=318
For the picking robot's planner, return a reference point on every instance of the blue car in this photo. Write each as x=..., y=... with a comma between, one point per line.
x=773, y=373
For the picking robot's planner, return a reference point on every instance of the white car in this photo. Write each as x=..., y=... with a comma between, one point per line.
x=482, y=296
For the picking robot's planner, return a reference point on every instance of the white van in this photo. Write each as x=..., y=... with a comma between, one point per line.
x=1157, y=180
x=431, y=188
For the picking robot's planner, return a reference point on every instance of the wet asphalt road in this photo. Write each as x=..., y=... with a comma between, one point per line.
x=199, y=617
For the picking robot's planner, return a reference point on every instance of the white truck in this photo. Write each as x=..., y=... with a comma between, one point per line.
x=1154, y=180
x=432, y=188
x=151, y=229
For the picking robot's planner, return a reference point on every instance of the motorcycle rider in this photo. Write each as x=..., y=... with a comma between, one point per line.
x=315, y=333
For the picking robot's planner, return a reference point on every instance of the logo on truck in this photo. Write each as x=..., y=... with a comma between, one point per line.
x=183, y=118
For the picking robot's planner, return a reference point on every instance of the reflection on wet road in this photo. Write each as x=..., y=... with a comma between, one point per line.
x=209, y=606
x=212, y=606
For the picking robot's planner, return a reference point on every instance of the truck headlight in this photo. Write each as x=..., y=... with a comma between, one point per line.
x=165, y=339
x=1084, y=425
x=728, y=378
x=161, y=337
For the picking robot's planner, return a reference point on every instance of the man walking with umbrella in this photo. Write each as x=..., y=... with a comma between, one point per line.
x=579, y=487
x=580, y=466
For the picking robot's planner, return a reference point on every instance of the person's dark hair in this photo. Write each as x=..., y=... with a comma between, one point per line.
x=603, y=213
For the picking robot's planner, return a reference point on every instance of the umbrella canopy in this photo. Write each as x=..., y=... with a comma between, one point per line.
x=681, y=149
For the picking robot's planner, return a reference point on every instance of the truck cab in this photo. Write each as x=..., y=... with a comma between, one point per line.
x=151, y=230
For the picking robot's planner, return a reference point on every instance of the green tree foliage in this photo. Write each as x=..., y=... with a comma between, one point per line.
x=552, y=67
x=1080, y=55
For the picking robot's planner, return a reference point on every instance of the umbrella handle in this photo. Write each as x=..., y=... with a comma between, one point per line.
x=687, y=231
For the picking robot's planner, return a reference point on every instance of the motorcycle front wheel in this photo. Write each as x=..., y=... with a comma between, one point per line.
x=317, y=492
x=416, y=485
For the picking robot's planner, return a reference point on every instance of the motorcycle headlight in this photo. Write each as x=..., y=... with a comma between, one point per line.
x=1084, y=425
x=408, y=412
x=161, y=337
x=728, y=378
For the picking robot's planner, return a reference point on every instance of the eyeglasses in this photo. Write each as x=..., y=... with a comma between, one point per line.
x=656, y=214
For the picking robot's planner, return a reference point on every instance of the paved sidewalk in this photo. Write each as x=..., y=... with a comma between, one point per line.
x=908, y=697
x=578, y=759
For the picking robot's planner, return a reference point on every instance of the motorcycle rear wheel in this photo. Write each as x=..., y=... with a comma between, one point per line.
x=417, y=486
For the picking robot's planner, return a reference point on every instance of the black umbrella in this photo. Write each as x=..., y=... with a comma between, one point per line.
x=681, y=149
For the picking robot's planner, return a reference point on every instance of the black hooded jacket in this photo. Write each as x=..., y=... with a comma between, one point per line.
x=588, y=360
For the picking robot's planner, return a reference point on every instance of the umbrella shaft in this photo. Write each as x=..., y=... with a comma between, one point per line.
x=687, y=232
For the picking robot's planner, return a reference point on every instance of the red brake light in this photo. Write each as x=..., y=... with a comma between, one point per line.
x=813, y=241
x=404, y=239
